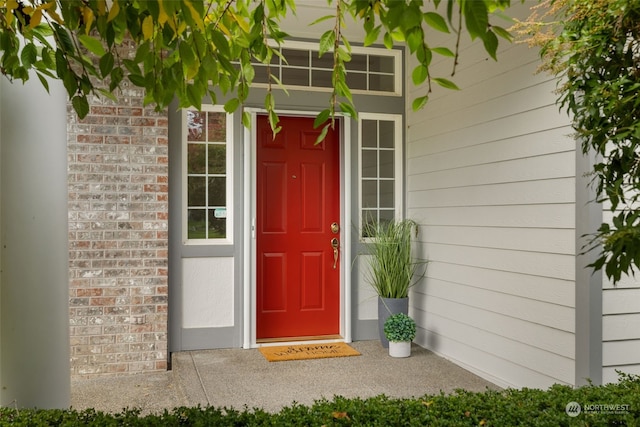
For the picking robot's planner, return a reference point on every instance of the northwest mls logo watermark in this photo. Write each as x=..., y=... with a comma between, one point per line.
x=573, y=409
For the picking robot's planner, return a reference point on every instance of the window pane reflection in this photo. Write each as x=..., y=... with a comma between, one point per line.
x=206, y=170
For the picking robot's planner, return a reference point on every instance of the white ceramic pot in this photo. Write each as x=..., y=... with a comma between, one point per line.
x=399, y=348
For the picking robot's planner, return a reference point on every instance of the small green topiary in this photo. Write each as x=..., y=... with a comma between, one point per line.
x=400, y=327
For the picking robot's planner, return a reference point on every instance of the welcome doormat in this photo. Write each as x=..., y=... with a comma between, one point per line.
x=307, y=351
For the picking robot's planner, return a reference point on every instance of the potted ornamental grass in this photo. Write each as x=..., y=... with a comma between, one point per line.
x=393, y=269
x=400, y=330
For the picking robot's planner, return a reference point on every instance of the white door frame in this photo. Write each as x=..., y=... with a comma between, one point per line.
x=249, y=243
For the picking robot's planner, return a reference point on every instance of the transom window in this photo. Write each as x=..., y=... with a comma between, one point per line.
x=207, y=157
x=371, y=70
x=380, y=148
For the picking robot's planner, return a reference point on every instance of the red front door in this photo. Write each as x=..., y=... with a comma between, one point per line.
x=298, y=199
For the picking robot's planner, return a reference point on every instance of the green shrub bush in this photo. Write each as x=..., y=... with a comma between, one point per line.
x=607, y=405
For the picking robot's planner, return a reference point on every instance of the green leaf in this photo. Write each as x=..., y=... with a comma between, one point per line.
x=188, y=58
x=221, y=43
x=411, y=17
x=419, y=103
x=444, y=51
x=44, y=81
x=131, y=66
x=246, y=119
x=446, y=83
x=279, y=83
x=269, y=102
x=326, y=42
x=343, y=54
x=388, y=41
x=194, y=96
x=415, y=39
x=137, y=80
x=424, y=55
x=372, y=36
x=419, y=74
x=70, y=82
x=108, y=94
x=142, y=52
x=323, y=133
x=437, y=22
x=322, y=117
x=63, y=39
x=29, y=55
x=273, y=122
x=116, y=77
x=501, y=32
x=106, y=64
x=491, y=44
x=322, y=19
x=348, y=110
x=476, y=18
x=248, y=72
x=80, y=105
x=93, y=45
x=48, y=58
x=343, y=90
x=231, y=105
x=209, y=64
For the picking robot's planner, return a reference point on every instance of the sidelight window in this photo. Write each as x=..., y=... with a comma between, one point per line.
x=207, y=158
x=380, y=149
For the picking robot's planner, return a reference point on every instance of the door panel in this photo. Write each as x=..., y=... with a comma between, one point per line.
x=298, y=198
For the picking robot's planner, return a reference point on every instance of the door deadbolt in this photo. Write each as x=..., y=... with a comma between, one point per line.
x=335, y=228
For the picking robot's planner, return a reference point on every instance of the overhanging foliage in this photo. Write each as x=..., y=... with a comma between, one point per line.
x=190, y=49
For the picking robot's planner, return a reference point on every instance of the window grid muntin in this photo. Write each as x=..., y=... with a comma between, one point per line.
x=365, y=147
x=277, y=65
x=208, y=209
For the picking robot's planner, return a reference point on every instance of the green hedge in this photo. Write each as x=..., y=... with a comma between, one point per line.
x=608, y=405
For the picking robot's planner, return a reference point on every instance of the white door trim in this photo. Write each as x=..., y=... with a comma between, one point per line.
x=249, y=246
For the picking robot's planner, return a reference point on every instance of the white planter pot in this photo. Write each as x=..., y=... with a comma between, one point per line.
x=399, y=348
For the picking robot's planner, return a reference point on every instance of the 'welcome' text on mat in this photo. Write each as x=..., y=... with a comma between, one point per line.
x=308, y=351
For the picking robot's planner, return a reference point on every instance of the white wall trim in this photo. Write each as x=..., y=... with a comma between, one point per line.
x=249, y=281
x=247, y=239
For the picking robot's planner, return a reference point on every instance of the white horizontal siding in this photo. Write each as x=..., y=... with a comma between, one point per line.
x=530, y=263
x=545, y=167
x=521, y=146
x=620, y=353
x=554, y=190
x=544, y=289
x=511, y=325
x=530, y=310
x=491, y=179
x=620, y=328
x=492, y=110
x=515, y=125
x=535, y=216
x=511, y=362
x=620, y=322
x=621, y=300
x=557, y=241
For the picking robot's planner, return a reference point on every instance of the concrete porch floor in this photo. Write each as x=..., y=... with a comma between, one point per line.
x=238, y=378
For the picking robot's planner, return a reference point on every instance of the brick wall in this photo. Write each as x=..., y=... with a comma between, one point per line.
x=118, y=211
